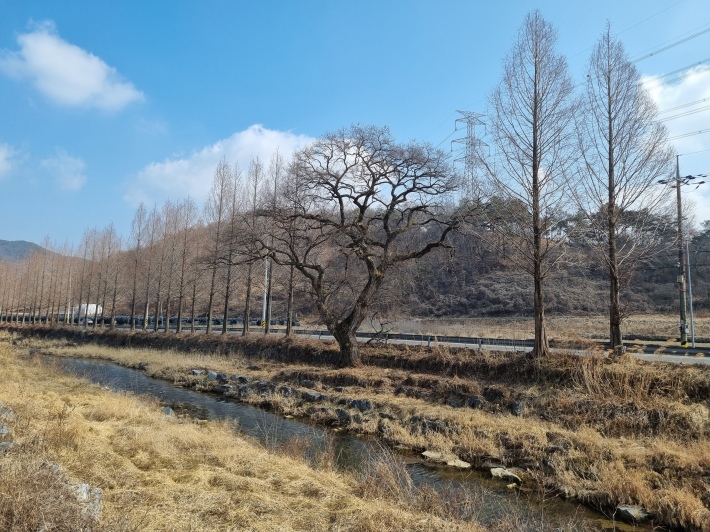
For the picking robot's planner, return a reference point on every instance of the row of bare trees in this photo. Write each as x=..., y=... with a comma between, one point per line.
x=554, y=151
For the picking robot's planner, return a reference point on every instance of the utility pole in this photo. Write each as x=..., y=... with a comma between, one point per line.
x=681, y=259
x=678, y=181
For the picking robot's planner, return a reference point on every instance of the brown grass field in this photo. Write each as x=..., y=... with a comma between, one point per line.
x=602, y=431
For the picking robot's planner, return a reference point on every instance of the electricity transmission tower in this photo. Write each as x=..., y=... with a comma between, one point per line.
x=471, y=146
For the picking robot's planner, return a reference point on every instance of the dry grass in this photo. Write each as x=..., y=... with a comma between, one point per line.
x=162, y=473
x=35, y=496
x=603, y=430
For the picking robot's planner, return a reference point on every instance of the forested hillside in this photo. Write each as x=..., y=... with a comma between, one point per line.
x=14, y=250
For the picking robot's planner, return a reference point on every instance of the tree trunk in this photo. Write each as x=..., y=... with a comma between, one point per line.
x=615, y=340
x=289, y=305
x=267, y=313
x=227, y=293
x=158, y=299
x=112, y=324
x=134, y=293
x=541, y=347
x=192, y=306
x=166, y=321
x=211, y=300
x=344, y=334
x=247, y=302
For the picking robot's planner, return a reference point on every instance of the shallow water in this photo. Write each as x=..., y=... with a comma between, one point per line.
x=350, y=452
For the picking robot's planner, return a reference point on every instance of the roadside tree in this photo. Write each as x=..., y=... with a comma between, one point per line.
x=625, y=152
x=532, y=114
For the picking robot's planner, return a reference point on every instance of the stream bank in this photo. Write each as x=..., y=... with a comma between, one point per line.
x=603, y=432
x=496, y=497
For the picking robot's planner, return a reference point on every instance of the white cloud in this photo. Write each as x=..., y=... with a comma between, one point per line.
x=68, y=171
x=694, y=150
x=65, y=73
x=6, y=155
x=192, y=175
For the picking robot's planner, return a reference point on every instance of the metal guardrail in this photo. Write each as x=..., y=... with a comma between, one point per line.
x=422, y=339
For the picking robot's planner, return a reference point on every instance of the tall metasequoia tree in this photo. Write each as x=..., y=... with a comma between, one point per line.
x=231, y=245
x=532, y=113
x=172, y=224
x=216, y=210
x=254, y=178
x=138, y=230
x=367, y=204
x=276, y=174
x=187, y=217
x=154, y=223
x=625, y=153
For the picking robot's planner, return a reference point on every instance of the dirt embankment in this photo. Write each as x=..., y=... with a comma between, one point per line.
x=606, y=432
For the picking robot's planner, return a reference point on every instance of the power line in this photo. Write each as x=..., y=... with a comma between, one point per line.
x=672, y=45
x=687, y=113
x=684, y=105
x=649, y=18
x=446, y=138
x=694, y=152
x=657, y=79
x=689, y=134
x=632, y=26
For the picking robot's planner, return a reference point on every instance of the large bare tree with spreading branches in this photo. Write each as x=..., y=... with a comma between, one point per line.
x=625, y=153
x=364, y=204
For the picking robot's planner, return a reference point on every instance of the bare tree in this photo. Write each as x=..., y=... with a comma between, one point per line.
x=68, y=252
x=163, y=250
x=232, y=240
x=6, y=270
x=368, y=205
x=187, y=216
x=532, y=113
x=115, y=269
x=84, y=246
x=276, y=171
x=55, y=279
x=254, y=178
x=216, y=210
x=196, y=279
x=108, y=273
x=153, y=225
x=138, y=230
x=625, y=152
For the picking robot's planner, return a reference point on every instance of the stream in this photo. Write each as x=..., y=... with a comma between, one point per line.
x=351, y=452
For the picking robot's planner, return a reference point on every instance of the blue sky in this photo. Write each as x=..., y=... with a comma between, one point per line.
x=105, y=104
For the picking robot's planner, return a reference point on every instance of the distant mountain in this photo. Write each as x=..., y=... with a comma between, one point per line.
x=15, y=250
